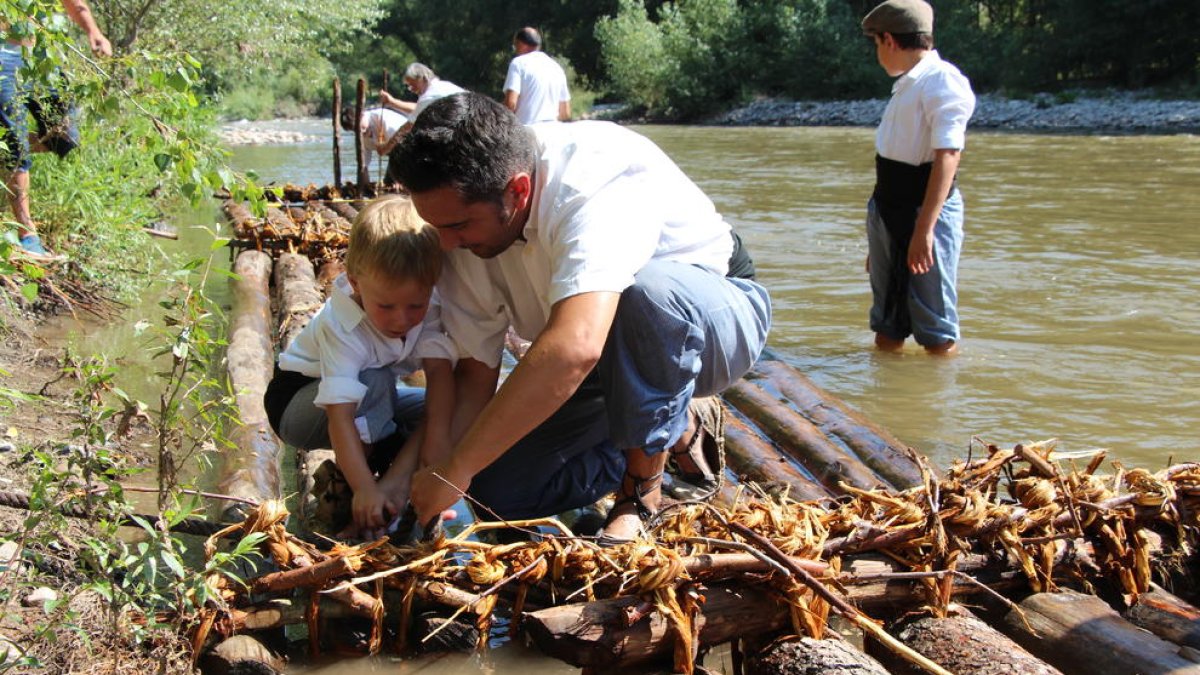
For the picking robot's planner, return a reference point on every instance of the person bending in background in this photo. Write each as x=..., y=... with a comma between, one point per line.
x=536, y=86
x=15, y=121
x=915, y=214
x=376, y=127
x=428, y=87
x=335, y=385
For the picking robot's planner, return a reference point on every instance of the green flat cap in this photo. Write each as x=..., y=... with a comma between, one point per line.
x=899, y=17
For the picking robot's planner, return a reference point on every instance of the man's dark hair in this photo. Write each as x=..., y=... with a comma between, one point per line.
x=465, y=141
x=528, y=36
x=348, y=117
x=913, y=40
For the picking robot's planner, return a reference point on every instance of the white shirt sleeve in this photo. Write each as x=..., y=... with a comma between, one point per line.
x=948, y=110
x=433, y=343
x=512, y=81
x=342, y=359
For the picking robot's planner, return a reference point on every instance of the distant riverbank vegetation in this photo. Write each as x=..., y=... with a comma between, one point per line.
x=686, y=59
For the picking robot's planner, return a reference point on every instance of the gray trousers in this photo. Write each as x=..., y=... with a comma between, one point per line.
x=384, y=411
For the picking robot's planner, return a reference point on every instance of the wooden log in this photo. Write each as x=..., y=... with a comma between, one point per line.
x=251, y=467
x=754, y=458
x=337, y=131
x=597, y=633
x=827, y=462
x=285, y=612
x=871, y=443
x=360, y=149
x=1167, y=616
x=344, y=210
x=1081, y=634
x=594, y=634
x=241, y=654
x=807, y=656
x=961, y=643
x=299, y=296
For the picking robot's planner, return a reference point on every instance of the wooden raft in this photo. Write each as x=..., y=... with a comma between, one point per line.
x=785, y=436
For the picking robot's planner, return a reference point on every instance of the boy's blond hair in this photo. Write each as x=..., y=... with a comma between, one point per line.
x=389, y=238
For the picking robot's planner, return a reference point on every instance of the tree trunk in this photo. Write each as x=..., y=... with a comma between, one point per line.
x=593, y=634
x=299, y=296
x=360, y=150
x=874, y=445
x=807, y=656
x=1167, y=616
x=828, y=463
x=596, y=633
x=962, y=644
x=755, y=459
x=251, y=468
x=337, y=133
x=1081, y=634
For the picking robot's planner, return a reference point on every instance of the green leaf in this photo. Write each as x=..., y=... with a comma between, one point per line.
x=163, y=161
x=173, y=562
x=30, y=291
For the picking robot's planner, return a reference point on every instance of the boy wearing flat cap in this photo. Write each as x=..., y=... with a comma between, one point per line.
x=915, y=215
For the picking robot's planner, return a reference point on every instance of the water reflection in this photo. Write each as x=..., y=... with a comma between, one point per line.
x=1078, y=282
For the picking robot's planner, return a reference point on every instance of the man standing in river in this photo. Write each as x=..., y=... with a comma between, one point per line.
x=535, y=87
x=589, y=239
x=915, y=215
x=15, y=121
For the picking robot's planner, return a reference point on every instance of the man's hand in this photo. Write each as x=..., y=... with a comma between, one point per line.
x=99, y=44
x=435, y=489
x=920, y=252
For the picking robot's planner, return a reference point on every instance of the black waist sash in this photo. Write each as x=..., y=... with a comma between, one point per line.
x=899, y=191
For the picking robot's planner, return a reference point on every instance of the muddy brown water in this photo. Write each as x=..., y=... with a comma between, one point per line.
x=1079, y=281
x=1079, y=287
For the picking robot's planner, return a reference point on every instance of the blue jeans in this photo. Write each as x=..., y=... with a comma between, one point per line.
x=13, y=115
x=679, y=332
x=925, y=305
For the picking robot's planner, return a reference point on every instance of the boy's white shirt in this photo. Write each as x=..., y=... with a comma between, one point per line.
x=928, y=111
x=340, y=342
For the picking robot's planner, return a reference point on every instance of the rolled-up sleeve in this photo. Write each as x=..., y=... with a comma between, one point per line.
x=341, y=362
x=950, y=108
x=433, y=343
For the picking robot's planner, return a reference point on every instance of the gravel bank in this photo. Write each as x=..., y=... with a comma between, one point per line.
x=1115, y=113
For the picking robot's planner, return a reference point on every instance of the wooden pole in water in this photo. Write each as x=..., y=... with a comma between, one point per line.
x=337, y=133
x=251, y=469
x=360, y=149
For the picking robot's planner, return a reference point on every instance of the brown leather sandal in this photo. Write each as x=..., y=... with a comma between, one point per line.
x=708, y=444
x=641, y=488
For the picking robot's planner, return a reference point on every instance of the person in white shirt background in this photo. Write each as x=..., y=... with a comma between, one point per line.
x=536, y=86
x=377, y=127
x=422, y=81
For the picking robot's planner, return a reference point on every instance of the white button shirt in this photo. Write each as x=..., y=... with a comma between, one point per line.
x=928, y=111
x=606, y=202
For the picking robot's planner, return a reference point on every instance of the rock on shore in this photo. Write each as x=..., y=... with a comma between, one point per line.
x=261, y=133
x=1118, y=112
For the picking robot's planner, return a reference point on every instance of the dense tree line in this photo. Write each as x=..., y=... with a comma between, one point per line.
x=690, y=57
x=676, y=59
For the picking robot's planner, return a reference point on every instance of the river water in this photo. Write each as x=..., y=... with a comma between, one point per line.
x=1079, y=280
